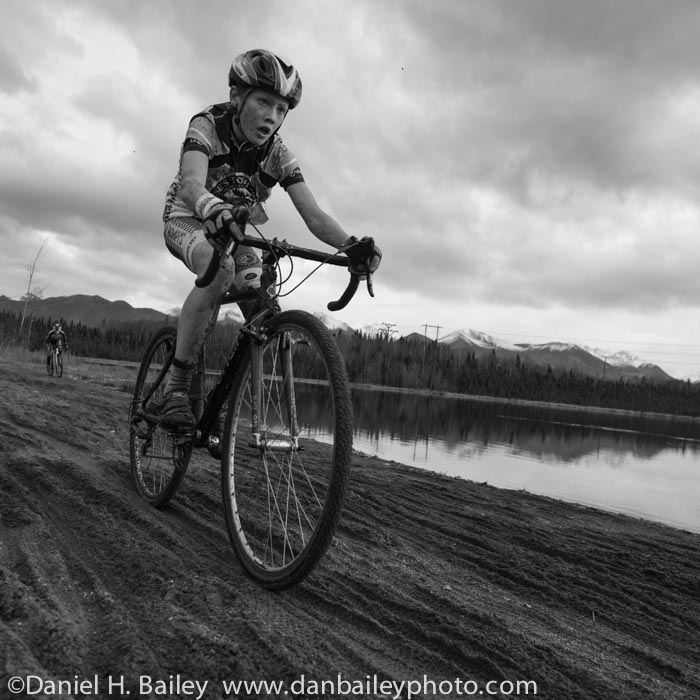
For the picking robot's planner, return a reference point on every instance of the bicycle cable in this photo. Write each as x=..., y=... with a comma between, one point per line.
x=280, y=282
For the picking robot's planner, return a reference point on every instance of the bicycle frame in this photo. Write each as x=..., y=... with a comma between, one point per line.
x=207, y=409
x=207, y=412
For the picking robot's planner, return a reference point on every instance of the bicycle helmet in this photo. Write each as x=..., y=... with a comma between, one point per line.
x=259, y=68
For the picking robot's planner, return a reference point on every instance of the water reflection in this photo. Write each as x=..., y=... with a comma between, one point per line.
x=636, y=464
x=546, y=433
x=639, y=464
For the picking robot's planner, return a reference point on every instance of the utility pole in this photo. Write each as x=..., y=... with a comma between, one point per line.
x=437, y=331
x=425, y=333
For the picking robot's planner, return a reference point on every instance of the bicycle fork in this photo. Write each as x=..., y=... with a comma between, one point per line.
x=278, y=387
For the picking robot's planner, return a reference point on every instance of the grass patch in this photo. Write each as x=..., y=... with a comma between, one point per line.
x=113, y=373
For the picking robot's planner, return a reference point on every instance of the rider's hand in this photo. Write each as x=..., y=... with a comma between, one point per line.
x=365, y=256
x=220, y=226
x=376, y=259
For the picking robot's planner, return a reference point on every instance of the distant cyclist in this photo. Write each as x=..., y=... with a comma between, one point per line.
x=232, y=155
x=55, y=338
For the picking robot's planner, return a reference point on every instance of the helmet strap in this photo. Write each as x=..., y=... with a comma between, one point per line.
x=241, y=95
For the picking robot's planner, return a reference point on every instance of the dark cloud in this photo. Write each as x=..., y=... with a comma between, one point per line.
x=573, y=90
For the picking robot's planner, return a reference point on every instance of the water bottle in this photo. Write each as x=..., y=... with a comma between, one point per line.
x=248, y=269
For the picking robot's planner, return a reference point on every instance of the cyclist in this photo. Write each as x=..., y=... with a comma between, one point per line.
x=232, y=155
x=56, y=337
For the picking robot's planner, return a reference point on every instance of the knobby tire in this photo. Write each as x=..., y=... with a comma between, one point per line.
x=159, y=458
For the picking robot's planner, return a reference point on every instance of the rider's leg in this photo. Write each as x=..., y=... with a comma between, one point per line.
x=198, y=314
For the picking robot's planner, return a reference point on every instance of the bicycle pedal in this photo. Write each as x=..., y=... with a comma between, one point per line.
x=214, y=449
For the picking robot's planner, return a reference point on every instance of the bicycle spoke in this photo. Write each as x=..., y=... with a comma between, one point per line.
x=283, y=485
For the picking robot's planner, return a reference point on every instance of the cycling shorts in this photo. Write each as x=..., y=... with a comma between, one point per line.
x=182, y=236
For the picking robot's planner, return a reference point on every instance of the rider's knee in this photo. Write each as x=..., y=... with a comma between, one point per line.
x=201, y=256
x=226, y=275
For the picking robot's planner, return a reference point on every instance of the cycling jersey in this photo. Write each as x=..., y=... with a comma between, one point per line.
x=238, y=173
x=56, y=338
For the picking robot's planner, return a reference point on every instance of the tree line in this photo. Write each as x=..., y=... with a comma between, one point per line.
x=401, y=363
x=417, y=364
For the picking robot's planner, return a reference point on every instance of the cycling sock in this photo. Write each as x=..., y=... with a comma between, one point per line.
x=180, y=377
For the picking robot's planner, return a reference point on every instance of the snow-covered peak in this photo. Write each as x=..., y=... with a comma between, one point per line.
x=476, y=338
x=333, y=323
x=552, y=347
x=617, y=359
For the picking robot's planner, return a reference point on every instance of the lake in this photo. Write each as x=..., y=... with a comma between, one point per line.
x=642, y=465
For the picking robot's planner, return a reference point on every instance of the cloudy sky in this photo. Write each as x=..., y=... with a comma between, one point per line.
x=530, y=169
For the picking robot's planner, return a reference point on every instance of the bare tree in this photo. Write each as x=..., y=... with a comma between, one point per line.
x=32, y=291
x=387, y=330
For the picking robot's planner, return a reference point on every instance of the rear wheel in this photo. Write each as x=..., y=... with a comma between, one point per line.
x=49, y=363
x=283, y=488
x=159, y=457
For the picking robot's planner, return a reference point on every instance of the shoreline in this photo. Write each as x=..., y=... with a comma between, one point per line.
x=601, y=410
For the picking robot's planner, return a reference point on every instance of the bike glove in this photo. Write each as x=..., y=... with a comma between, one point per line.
x=220, y=226
x=365, y=256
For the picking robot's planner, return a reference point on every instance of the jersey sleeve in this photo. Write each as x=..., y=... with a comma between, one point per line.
x=201, y=135
x=281, y=167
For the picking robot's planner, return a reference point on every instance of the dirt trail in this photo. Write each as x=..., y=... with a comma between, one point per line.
x=431, y=579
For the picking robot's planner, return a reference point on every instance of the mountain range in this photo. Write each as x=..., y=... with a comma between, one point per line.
x=95, y=311
x=92, y=311
x=595, y=362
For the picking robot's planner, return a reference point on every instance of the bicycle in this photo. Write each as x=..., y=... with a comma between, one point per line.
x=283, y=481
x=55, y=362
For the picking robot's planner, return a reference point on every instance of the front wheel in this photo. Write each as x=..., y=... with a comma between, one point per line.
x=159, y=457
x=287, y=449
x=59, y=363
